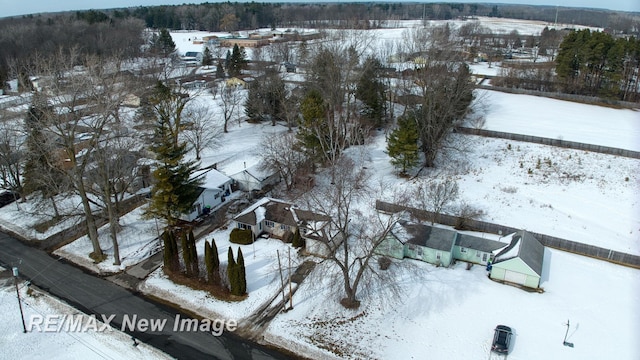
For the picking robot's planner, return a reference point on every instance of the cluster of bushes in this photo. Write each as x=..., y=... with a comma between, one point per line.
x=241, y=236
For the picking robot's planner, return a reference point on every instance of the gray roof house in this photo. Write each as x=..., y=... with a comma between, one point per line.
x=278, y=217
x=475, y=249
x=421, y=242
x=520, y=262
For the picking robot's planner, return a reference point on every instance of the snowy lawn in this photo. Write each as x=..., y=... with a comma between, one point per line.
x=137, y=241
x=263, y=278
x=64, y=344
x=557, y=119
x=450, y=313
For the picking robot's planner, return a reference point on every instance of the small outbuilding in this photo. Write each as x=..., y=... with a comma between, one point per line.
x=520, y=262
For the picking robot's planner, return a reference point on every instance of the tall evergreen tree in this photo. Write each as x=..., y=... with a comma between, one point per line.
x=237, y=61
x=371, y=92
x=207, y=58
x=193, y=257
x=171, y=256
x=164, y=43
x=232, y=273
x=242, y=275
x=175, y=190
x=298, y=241
x=219, y=70
x=207, y=261
x=311, y=128
x=186, y=253
x=402, y=145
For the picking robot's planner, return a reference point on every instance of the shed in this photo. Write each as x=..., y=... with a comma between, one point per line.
x=520, y=262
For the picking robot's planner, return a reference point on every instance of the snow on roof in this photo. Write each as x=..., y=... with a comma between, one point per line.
x=260, y=214
x=526, y=247
x=512, y=250
x=214, y=179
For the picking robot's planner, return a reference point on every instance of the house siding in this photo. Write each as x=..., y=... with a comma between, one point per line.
x=471, y=255
x=428, y=255
x=207, y=197
x=516, y=265
x=391, y=247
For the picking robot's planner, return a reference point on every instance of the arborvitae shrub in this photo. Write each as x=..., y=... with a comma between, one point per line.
x=241, y=236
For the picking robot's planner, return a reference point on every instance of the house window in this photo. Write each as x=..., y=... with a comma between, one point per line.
x=412, y=247
x=419, y=251
x=477, y=253
x=244, y=226
x=484, y=257
x=284, y=227
x=463, y=250
x=268, y=223
x=438, y=255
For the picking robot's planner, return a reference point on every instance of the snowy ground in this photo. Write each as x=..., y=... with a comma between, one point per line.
x=450, y=313
x=59, y=345
x=263, y=278
x=137, y=241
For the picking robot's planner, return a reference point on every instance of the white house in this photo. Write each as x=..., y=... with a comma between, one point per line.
x=279, y=218
x=213, y=191
x=255, y=178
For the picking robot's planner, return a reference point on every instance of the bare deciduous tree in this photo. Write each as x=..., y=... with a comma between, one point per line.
x=231, y=98
x=202, y=130
x=279, y=153
x=355, y=233
x=435, y=195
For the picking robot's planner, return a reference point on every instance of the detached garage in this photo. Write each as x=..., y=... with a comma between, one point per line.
x=520, y=262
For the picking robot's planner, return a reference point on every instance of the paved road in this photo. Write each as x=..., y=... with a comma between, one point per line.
x=98, y=296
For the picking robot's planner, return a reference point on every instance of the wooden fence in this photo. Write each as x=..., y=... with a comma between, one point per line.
x=547, y=240
x=548, y=141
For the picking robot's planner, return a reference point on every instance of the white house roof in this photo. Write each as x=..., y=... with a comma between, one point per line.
x=213, y=179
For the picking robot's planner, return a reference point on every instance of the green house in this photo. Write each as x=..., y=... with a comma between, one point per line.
x=520, y=262
x=421, y=242
x=475, y=249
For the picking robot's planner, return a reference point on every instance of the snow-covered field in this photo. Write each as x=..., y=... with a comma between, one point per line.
x=59, y=345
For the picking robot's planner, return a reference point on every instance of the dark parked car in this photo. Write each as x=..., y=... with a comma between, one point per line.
x=501, y=339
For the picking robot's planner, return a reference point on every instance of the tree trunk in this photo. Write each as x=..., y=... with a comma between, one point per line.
x=92, y=230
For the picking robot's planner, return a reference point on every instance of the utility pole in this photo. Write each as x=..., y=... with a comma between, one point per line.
x=15, y=281
x=290, y=290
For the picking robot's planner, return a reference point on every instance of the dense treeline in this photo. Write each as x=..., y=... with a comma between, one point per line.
x=596, y=64
x=26, y=41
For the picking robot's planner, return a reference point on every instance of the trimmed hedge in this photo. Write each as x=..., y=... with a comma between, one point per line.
x=241, y=236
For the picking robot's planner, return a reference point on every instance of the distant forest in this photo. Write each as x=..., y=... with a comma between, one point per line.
x=106, y=32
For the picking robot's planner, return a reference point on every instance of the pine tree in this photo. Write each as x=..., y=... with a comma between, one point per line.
x=219, y=70
x=237, y=61
x=371, y=92
x=298, y=241
x=402, y=145
x=174, y=191
x=207, y=58
x=164, y=43
x=242, y=275
x=313, y=113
